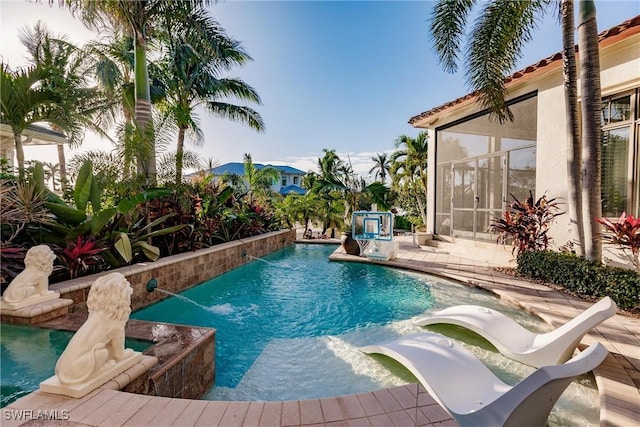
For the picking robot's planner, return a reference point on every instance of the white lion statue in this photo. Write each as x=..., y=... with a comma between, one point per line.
x=99, y=343
x=33, y=281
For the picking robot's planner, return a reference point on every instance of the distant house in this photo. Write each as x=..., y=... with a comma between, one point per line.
x=475, y=164
x=289, y=182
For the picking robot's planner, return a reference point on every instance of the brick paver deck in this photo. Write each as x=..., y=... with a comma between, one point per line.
x=618, y=378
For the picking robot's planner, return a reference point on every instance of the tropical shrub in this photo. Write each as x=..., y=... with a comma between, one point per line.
x=81, y=256
x=526, y=223
x=11, y=263
x=625, y=233
x=92, y=233
x=582, y=277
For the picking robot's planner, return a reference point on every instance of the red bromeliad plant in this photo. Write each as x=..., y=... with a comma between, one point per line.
x=625, y=233
x=526, y=223
x=80, y=255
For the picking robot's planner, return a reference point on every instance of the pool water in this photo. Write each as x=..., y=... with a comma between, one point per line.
x=29, y=355
x=289, y=326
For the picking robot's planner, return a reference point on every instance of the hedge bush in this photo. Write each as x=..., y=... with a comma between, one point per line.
x=583, y=277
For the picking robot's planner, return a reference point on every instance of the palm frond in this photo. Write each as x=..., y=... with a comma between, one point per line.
x=447, y=29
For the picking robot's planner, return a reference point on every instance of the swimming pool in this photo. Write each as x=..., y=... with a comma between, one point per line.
x=29, y=355
x=289, y=327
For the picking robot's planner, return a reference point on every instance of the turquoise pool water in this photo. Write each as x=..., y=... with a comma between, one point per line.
x=289, y=327
x=29, y=355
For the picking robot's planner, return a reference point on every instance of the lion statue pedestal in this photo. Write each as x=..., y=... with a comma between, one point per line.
x=31, y=286
x=96, y=353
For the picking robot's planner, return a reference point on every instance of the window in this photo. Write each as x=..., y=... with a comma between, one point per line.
x=284, y=181
x=619, y=149
x=295, y=180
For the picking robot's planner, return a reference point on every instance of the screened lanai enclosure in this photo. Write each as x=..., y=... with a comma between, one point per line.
x=479, y=163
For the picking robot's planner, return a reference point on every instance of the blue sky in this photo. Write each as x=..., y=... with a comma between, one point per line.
x=331, y=74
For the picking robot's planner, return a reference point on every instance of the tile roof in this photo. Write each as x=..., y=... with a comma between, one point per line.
x=238, y=169
x=288, y=170
x=292, y=189
x=628, y=27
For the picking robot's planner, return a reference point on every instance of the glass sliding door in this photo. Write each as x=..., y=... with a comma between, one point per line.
x=443, y=200
x=489, y=194
x=478, y=196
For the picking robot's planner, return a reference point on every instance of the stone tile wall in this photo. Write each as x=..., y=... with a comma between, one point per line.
x=186, y=367
x=179, y=272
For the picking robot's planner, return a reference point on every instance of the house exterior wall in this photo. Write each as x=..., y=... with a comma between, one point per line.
x=551, y=156
x=620, y=71
x=287, y=179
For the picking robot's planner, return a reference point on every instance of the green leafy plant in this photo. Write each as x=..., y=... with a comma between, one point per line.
x=11, y=263
x=625, y=233
x=86, y=217
x=131, y=236
x=526, y=223
x=582, y=277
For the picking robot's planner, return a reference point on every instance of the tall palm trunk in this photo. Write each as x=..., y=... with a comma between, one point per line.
x=180, y=154
x=574, y=147
x=147, y=161
x=17, y=138
x=62, y=161
x=62, y=165
x=591, y=130
x=423, y=212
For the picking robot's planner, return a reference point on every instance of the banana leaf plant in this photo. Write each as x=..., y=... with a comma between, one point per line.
x=89, y=219
x=86, y=217
x=132, y=237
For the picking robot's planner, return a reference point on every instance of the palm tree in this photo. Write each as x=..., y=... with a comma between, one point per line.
x=405, y=179
x=67, y=68
x=591, y=129
x=112, y=68
x=495, y=45
x=51, y=173
x=338, y=177
x=330, y=165
x=331, y=212
x=574, y=145
x=195, y=57
x=25, y=101
x=136, y=18
x=411, y=162
x=381, y=166
x=260, y=180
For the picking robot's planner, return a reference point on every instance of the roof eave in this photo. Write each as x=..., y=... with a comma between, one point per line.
x=616, y=34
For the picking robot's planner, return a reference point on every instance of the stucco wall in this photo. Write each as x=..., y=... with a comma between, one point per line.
x=619, y=67
x=551, y=153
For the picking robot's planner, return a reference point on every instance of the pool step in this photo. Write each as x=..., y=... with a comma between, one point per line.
x=37, y=313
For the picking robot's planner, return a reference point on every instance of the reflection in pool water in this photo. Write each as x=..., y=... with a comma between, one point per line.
x=29, y=355
x=290, y=328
